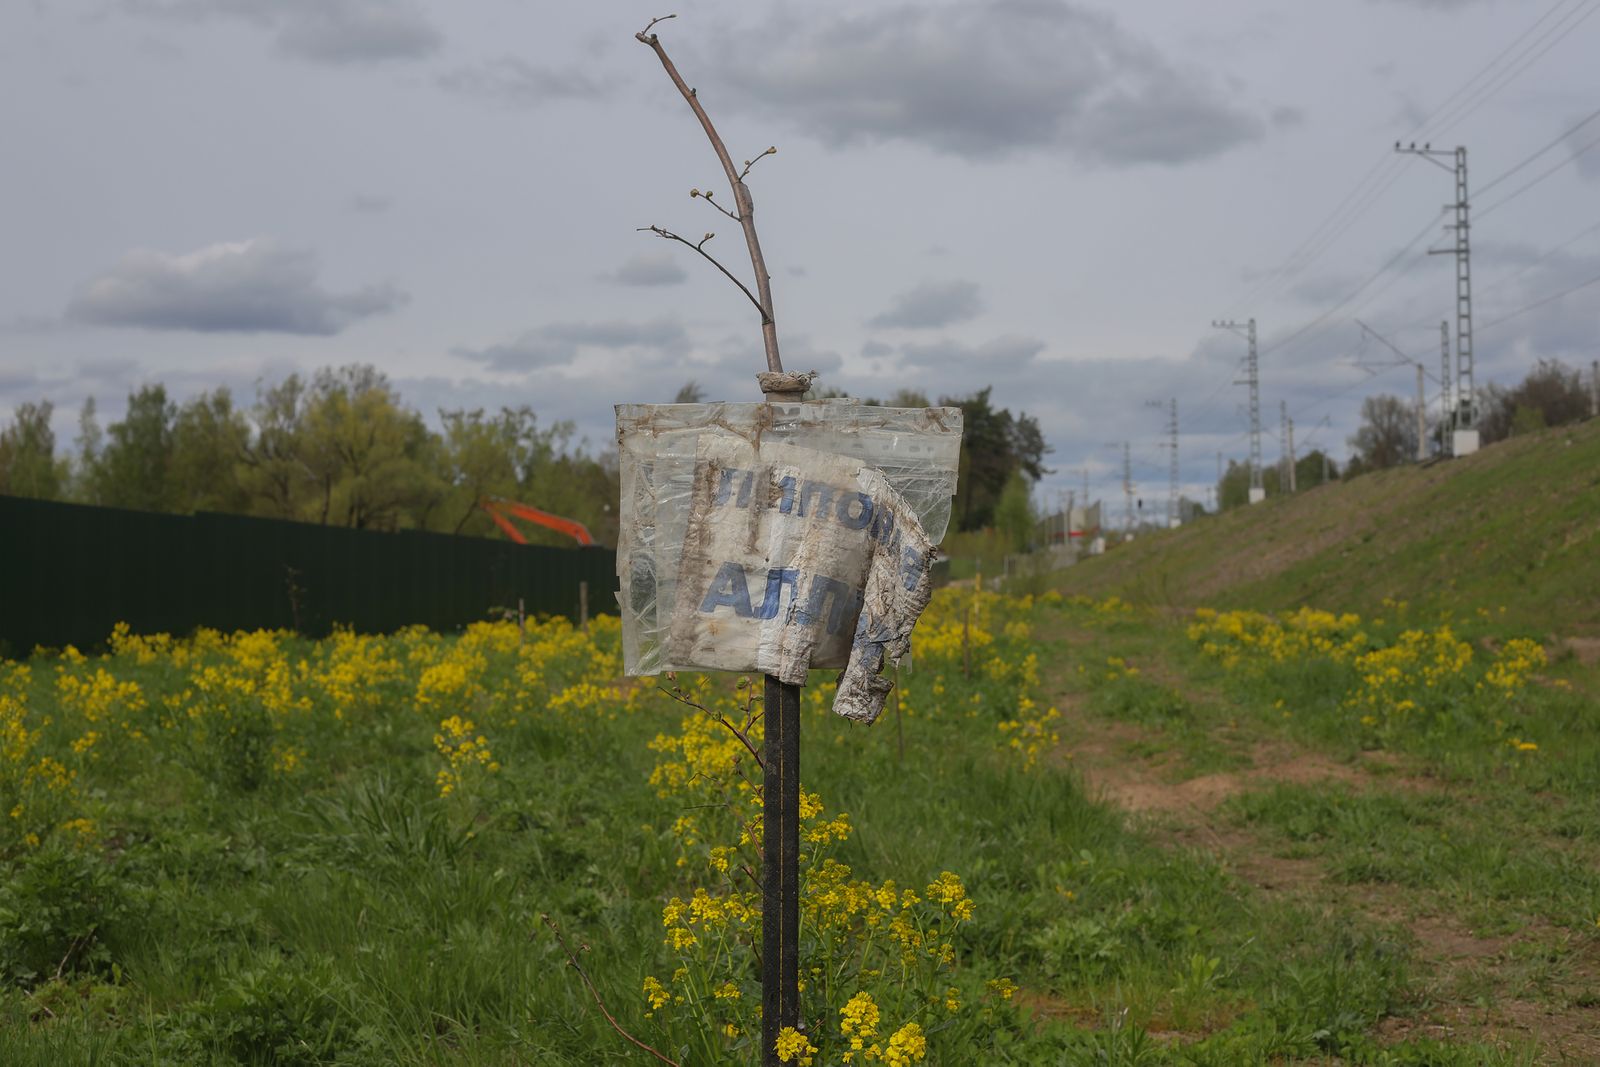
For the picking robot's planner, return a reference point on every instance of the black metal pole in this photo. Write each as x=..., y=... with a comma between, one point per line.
x=780, y=868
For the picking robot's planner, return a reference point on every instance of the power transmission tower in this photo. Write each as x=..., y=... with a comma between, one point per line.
x=1171, y=444
x=1422, y=418
x=1594, y=388
x=1084, y=507
x=1292, y=486
x=1253, y=379
x=1285, y=464
x=1465, y=418
x=1127, y=486
x=1444, y=378
x=1173, y=518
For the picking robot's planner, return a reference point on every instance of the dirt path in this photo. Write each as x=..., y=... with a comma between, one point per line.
x=1467, y=994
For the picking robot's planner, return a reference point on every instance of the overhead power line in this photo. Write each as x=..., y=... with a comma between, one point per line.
x=1530, y=184
x=1422, y=127
x=1357, y=291
x=1387, y=170
x=1540, y=303
x=1536, y=50
x=1590, y=117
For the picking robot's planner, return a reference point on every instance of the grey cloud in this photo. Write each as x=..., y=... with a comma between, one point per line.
x=649, y=269
x=254, y=286
x=997, y=357
x=512, y=82
x=1584, y=140
x=1437, y=5
x=982, y=80
x=30, y=324
x=559, y=344
x=931, y=305
x=368, y=203
x=319, y=31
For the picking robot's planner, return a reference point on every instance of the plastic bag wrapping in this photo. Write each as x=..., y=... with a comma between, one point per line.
x=752, y=535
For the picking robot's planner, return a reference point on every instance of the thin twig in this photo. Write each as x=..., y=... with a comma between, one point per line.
x=659, y=18
x=667, y=234
x=743, y=204
x=77, y=943
x=772, y=150
x=677, y=694
x=573, y=960
x=710, y=196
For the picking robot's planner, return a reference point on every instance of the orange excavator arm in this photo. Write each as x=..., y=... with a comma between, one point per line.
x=498, y=509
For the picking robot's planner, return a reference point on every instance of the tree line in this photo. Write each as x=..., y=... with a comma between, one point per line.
x=341, y=447
x=338, y=447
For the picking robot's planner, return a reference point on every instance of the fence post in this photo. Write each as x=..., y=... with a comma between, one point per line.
x=583, y=606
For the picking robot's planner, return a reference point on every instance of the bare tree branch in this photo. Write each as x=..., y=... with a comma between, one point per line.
x=677, y=693
x=573, y=960
x=670, y=236
x=743, y=204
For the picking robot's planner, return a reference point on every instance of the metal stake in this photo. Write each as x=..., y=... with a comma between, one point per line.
x=780, y=866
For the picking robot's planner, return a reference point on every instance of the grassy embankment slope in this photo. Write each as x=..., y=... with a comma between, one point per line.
x=1516, y=526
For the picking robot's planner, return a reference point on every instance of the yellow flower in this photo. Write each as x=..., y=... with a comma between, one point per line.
x=794, y=1047
x=1003, y=988
x=906, y=1046
x=860, y=1017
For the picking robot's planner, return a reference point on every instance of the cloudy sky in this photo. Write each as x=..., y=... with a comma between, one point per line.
x=1053, y=198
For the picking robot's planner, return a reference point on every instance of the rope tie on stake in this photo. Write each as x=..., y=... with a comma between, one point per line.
x=784, y=386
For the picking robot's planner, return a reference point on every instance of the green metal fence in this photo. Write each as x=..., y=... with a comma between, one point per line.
x=68, y=573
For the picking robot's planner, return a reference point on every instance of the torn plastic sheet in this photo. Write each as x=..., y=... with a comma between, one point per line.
x=781, y=537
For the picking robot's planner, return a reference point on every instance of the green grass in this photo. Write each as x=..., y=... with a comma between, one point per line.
x=350, y=914
x=1516, y=525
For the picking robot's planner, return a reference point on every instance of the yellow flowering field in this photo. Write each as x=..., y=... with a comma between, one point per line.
x=491, y=847
x=249, y=831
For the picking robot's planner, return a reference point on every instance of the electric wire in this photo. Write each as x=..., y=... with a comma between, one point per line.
x=1530, y=184
x=1386, y=171
x=1595, y=114
x=1387, y=266
x=1423, y=126
x=1554, y=35
x=1508, y=316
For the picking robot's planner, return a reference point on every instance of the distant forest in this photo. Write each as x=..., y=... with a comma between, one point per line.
x=341, y=447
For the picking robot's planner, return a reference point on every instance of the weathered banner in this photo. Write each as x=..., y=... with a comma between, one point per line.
x=746, y=548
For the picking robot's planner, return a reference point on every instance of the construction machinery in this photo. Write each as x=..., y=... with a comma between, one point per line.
x=502, y=511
